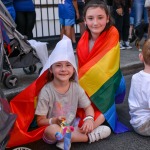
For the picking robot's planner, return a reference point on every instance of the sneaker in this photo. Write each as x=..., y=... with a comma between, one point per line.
x=121, y=46
x=126, y=45
x=60, y=145
x=98, y=133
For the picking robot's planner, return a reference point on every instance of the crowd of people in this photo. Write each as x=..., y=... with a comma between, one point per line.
x=86, y=98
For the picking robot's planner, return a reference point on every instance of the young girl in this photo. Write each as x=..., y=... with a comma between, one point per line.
x=60, y=98
x=98, y=55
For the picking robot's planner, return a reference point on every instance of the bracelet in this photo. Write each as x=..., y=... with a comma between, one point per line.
x=88, y=117
x=50, y=121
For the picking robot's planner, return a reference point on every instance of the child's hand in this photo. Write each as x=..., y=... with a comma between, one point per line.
x=60, y=119
x=88, y=126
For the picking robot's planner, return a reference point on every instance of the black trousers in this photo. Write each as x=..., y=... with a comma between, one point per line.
x=122, y=23
x=25, y=23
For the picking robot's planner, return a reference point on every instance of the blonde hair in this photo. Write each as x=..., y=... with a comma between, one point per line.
x=146, y=52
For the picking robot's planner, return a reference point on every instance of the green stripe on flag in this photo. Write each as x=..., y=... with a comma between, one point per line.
x=104, y=98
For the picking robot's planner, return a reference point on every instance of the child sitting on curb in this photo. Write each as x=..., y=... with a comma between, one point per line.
x=60, y=98
x=139, y=96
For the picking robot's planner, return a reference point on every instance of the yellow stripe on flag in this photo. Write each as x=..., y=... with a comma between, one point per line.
x=104, y=69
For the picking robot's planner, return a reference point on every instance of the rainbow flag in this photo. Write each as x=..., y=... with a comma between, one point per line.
x=100, y=75
x=24, y=105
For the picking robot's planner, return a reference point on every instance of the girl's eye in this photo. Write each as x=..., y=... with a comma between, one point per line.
x=100, y=17
x=58, y=65
x=68, y=64
x=90, y=18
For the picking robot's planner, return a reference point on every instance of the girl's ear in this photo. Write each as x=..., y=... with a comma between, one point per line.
x=50, y=70
x=141, y=57
x=108, y=19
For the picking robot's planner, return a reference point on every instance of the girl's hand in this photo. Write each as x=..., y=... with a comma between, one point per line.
x=88, y=126
x=61, y=119
x=58, y=120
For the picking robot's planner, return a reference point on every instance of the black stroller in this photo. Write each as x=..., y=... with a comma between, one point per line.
x=15, y=52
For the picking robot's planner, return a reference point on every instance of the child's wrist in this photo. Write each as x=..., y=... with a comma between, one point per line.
x=88, y=118
x=50, y=121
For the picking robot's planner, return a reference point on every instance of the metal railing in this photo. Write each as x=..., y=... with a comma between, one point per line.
x=47, y=19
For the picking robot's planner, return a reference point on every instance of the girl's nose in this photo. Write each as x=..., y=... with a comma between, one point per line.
x=63, y=68
x=95, y=21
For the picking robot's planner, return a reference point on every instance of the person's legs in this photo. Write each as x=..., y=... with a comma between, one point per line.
x=149, y=23
x=31, y=18
x=66, y=26
x=119, y=24
x=138, y=6
x=80, y=21
x=125, y=29
x=68, y=31
x=21, y=22
x=146, y=22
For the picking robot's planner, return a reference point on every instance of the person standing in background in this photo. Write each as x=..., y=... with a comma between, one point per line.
x=25, y=17
x=9, y=5
x=121, y=10
x=67, y=10
x=80, y=21
x=140, y=22
x=148, y=10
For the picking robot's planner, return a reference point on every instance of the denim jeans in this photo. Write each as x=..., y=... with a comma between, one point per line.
x=140, y=12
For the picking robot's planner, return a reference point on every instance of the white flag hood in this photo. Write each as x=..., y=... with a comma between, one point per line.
x=62, y=52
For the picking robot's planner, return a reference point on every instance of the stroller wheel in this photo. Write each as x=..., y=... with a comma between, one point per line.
x=11, y=81
x=30, y=69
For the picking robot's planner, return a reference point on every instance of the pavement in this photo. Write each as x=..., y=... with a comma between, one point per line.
x=129, y=64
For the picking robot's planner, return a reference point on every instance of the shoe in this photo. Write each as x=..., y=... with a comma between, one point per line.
x=121, y=46
x=126, y=45
x=98, y=133
x=60, y=145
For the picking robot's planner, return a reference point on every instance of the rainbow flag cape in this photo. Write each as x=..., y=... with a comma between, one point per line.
x=100, y=75
x=24, y=105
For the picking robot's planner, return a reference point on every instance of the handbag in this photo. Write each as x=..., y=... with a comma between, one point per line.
x=147, y=3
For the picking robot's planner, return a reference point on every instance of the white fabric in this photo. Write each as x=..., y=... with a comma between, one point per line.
x=147, y=3
x=41, y=50
x=62, y=52
x=139, y=99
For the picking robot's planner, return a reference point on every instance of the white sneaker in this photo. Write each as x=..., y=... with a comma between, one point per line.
x=126, y=45
x=60, y=145
x=98, y=133
x=121, y=46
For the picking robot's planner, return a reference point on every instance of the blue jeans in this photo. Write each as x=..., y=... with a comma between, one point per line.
x=140, y=12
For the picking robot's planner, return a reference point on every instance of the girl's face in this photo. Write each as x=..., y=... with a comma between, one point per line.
x=62, y=71
x=96, y=20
